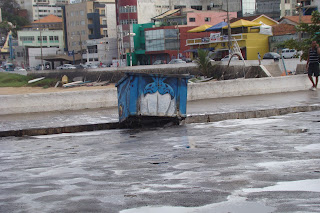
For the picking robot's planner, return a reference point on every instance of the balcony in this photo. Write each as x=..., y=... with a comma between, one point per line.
x=221, y=39
x=90, y=26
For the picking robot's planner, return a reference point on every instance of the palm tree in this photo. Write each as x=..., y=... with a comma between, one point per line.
x=203, y=61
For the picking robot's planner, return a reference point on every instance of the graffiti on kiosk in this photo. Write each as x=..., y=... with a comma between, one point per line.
x=158, y=98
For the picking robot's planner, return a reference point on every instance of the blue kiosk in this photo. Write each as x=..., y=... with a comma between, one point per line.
x=151, y=99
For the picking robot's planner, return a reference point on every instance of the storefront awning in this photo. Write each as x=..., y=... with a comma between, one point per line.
x=242, y=23
x=217, y=26
x=199, y=29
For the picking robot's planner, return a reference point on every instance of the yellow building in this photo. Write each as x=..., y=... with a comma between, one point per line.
x=251, y=36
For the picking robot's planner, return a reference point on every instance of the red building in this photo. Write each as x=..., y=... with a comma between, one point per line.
x=126, y=12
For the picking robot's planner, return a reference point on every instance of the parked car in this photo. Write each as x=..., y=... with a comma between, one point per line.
x=177, y=61
x=90, y=66
x=226, y=58
x=271, y=55
x=288, y=53
x=66, y=67
x=188, y=60
x=157, y=62
x=19, y=69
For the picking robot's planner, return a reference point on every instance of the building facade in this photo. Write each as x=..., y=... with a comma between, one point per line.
x=250, y=42
x=90, y=29
x=38, y=9
x=288, y=8
x=270, y=8
x=132, y=12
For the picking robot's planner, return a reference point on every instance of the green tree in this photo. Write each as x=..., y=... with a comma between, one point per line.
x=9, y=8
x=313, y=30
x=203, y=61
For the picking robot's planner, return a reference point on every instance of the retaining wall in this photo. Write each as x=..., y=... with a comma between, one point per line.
x=76, y=100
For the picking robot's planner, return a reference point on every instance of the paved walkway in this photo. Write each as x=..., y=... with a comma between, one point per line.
x=209, y=106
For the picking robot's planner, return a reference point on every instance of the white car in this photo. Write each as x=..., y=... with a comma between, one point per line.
x=288, y=53
x=19, y=69
x=177, y=61
x=90, y=66
x=226, y=58
x=66, y=67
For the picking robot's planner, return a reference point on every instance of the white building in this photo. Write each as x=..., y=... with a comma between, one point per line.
x=41, y=8
x=288, y=8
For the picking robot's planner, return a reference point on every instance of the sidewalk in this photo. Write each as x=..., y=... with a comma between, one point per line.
x=194, y=109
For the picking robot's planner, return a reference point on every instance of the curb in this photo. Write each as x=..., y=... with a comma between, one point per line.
x=189, y=120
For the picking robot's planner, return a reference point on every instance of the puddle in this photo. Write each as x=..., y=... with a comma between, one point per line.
x=93, y=133
x=312, y=185
x=237, y=204
x=309, y=148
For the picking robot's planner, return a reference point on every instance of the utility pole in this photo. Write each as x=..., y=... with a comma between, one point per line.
x=178, y=34
x=81, y=47
x=229, y=28
x=299, y=7
x=40, y=40
x=130, y=58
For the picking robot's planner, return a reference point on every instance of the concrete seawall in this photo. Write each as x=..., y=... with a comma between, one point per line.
x=44, y=102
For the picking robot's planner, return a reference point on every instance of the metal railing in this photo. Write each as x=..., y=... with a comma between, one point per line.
x=206, y=40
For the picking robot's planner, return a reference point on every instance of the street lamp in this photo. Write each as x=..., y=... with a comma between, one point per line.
x=127, y=7
x=299, y=9
x=40, y=39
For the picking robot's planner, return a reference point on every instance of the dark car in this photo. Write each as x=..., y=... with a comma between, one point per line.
x=271, y=55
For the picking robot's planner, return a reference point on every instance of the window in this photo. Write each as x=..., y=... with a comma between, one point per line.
x=103, y=12
x=44, y=38
x=192, y=19
x=130, y=9
x=196, y=7
x=82, y=12
x=104, y=22
x=131, y=21
x=105, y=33
x=50, y=38
x=208, y=7
x=207, y=19
x=26, y=38
x=287, y=13
x=287, y=1
x=83, y=22
x=56, y=38
x=179, y=6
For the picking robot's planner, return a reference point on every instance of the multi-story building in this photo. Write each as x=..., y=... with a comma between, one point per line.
x=291, y=7
x=270, y=8
x=288, y=8
x=41, y=8
x=141, y=11
x=90, y=28
x=43, y=37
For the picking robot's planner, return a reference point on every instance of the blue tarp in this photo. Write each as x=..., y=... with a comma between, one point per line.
x=217, y=26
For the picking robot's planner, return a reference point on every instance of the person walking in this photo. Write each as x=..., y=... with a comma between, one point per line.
x=259, y=58
x=313, y=64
